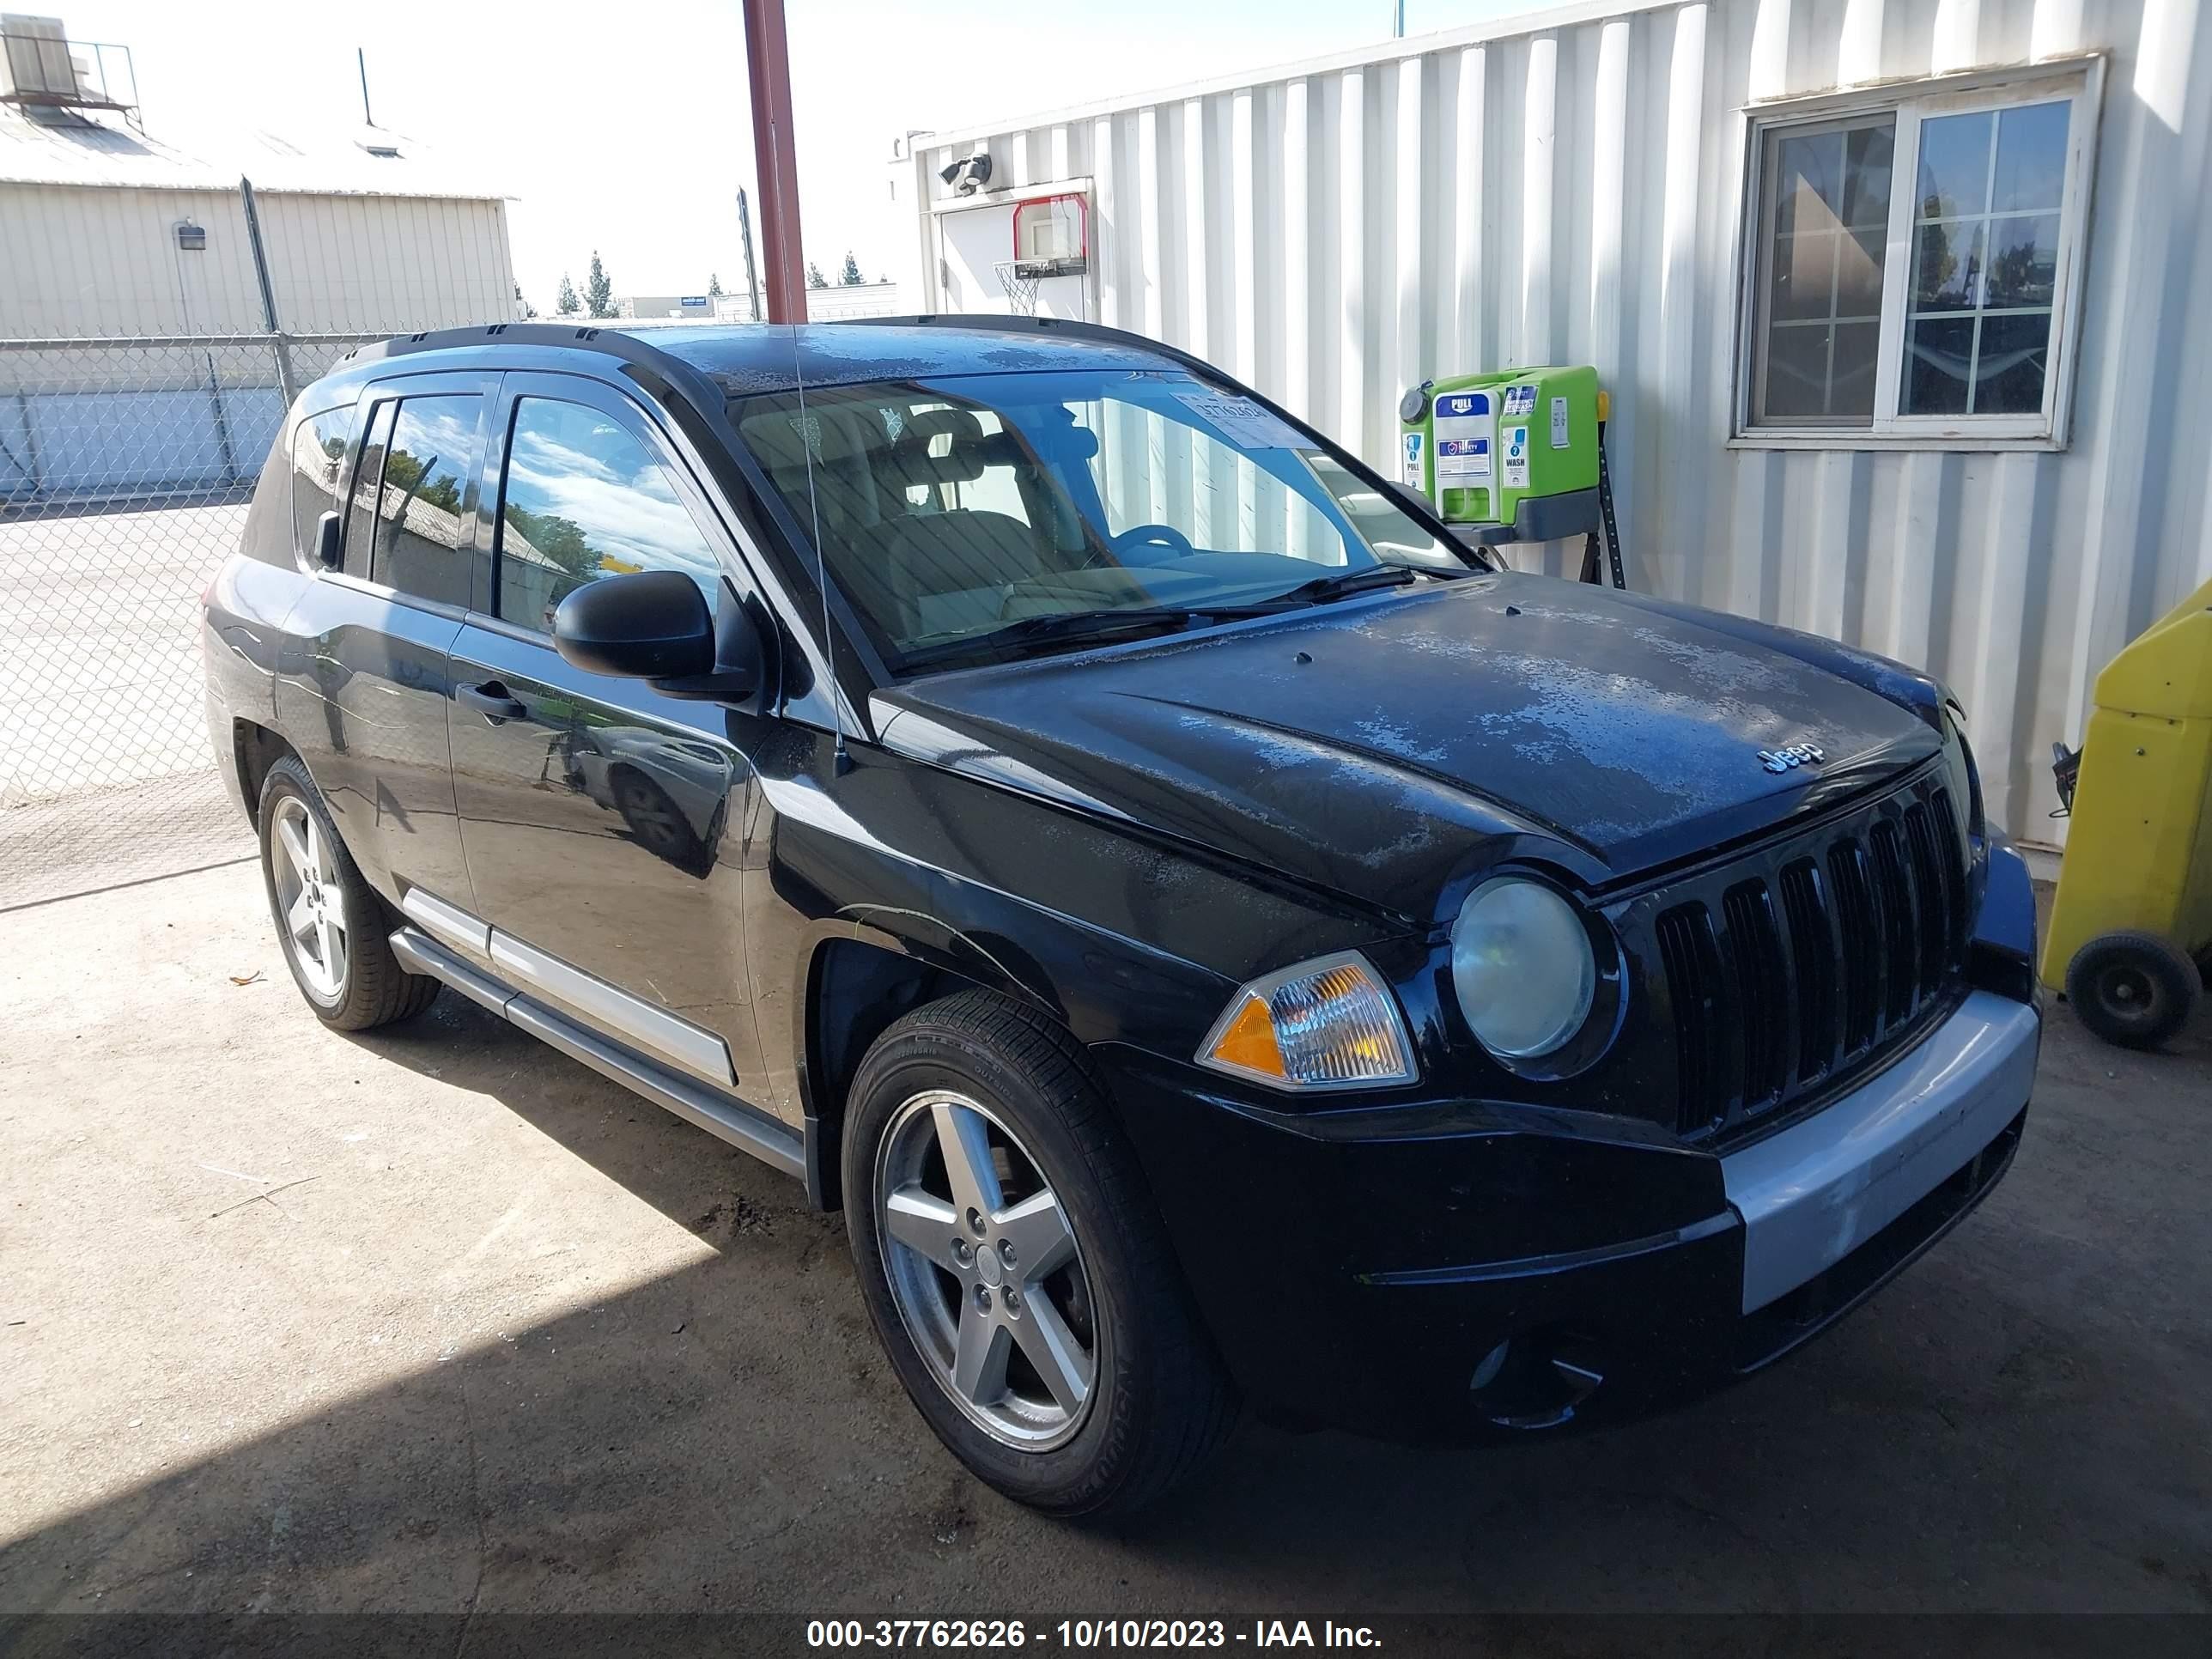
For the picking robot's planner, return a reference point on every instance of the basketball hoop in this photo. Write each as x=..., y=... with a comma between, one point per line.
x=1021, y=278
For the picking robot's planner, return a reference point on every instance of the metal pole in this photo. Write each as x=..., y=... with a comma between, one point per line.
x=767, y=68
x=753, y=277
x=361, y=56
x=277, y=340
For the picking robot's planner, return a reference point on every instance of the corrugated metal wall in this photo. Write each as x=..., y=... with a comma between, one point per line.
x=84, y=260
x=1336, y=231
x=102, y=263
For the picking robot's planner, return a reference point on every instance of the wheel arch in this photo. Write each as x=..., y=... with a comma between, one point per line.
x=254, y=749
x=858, y=980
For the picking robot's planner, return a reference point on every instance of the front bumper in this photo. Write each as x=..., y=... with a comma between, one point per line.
x=1448, y=1270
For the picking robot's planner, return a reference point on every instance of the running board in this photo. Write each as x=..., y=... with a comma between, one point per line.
x=721, y=1115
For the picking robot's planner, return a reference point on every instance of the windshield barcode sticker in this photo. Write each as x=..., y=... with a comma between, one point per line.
x=1241, y=421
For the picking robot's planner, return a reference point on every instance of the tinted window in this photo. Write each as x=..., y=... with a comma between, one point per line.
x=584, y=499
x=319, y=456
x=361, y=514
x=426, y=471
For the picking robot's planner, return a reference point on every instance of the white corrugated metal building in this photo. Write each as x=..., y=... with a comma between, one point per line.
x=1905, y=306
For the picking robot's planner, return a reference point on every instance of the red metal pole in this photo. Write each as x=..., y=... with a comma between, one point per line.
x=767, y=68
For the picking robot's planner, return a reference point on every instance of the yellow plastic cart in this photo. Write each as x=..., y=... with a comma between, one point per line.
x=2133, y=911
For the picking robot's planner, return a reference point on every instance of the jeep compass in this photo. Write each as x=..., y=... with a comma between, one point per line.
x=1219, y=940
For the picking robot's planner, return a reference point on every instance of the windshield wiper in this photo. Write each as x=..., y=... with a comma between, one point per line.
x=1061, y=626
x=1343, y=584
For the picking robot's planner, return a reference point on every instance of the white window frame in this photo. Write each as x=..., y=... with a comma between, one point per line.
x=2079, y=79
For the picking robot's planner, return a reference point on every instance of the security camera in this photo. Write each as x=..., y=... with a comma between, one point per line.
x=968, y=175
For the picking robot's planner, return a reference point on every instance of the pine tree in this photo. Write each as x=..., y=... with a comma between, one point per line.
x=523, y=309
x=598, y=292
x=714, y=286
x=852, y=277
x=814, y=276
x=565, y=302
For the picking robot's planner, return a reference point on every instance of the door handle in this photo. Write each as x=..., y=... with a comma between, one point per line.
x=492, y=701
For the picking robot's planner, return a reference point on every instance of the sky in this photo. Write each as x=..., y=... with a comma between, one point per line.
x=626, y=128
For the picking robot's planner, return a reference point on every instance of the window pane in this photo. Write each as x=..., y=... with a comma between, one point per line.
x=1954, y=164
x=1867, y=158
x=583, y=500
x=2023, y=260
x=1939, y=355
x=2009, y=370
x=1851, y=381
x=360, y=516
x=319, y=455
x=418, y=536
x=1805, y=275
x=1825, y=250
x=1797, y=370
x=1809, y=179
x=2031, y=158
x=1948, y=266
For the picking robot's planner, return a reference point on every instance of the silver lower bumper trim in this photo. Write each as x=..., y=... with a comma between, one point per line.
x=1815, y=1192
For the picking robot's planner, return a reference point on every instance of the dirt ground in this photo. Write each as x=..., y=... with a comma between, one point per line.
x=439, y=1322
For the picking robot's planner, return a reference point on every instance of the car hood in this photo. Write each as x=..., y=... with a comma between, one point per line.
x=1383, y=747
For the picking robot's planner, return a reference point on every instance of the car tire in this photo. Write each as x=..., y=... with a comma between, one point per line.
x=2133, y=988
x=1156, y=1401
x=361, y=985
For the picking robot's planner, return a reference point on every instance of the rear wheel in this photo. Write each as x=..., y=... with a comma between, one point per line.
x=334, y=927
x=1016, y=1272
x=2133, y=988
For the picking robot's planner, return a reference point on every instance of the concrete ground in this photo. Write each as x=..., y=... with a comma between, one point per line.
x=437, y=1321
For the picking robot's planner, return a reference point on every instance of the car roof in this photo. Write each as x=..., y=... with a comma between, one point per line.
x=748, y=358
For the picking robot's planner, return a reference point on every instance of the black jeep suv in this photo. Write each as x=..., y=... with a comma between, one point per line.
x=1216, y=936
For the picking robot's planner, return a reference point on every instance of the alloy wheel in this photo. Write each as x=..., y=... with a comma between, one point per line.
x=309, y=898
x=986, y=1272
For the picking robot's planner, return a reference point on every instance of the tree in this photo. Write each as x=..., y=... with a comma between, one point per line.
x=523, y=309
x=814, y=276
x=598, y=292
x=852, y=277
x=714, y=286
x=565, y=302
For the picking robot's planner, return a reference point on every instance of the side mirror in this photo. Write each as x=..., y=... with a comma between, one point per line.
x=654, y=625
x=328, y=552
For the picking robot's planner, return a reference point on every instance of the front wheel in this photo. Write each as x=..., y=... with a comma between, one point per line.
x=1013, y=1265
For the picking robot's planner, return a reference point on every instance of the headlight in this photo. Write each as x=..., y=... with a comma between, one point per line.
x=1330, y=1023
x=1523, y=966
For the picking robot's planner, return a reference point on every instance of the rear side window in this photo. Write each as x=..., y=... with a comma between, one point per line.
x=427, y=466
x=584, y=499
x=318, y=457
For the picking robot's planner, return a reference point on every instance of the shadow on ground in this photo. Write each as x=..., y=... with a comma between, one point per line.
x=2019, y=1423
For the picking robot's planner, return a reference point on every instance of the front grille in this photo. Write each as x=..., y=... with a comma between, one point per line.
x=1807, y=961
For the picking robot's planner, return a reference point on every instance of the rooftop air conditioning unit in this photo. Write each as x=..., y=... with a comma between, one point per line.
x=38, y=64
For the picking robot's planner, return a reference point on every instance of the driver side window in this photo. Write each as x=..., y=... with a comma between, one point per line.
x=582, y=499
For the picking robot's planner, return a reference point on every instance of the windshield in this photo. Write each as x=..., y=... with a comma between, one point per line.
x=978, y=517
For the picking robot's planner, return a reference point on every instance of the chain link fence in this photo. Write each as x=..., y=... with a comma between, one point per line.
x=126, y=469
